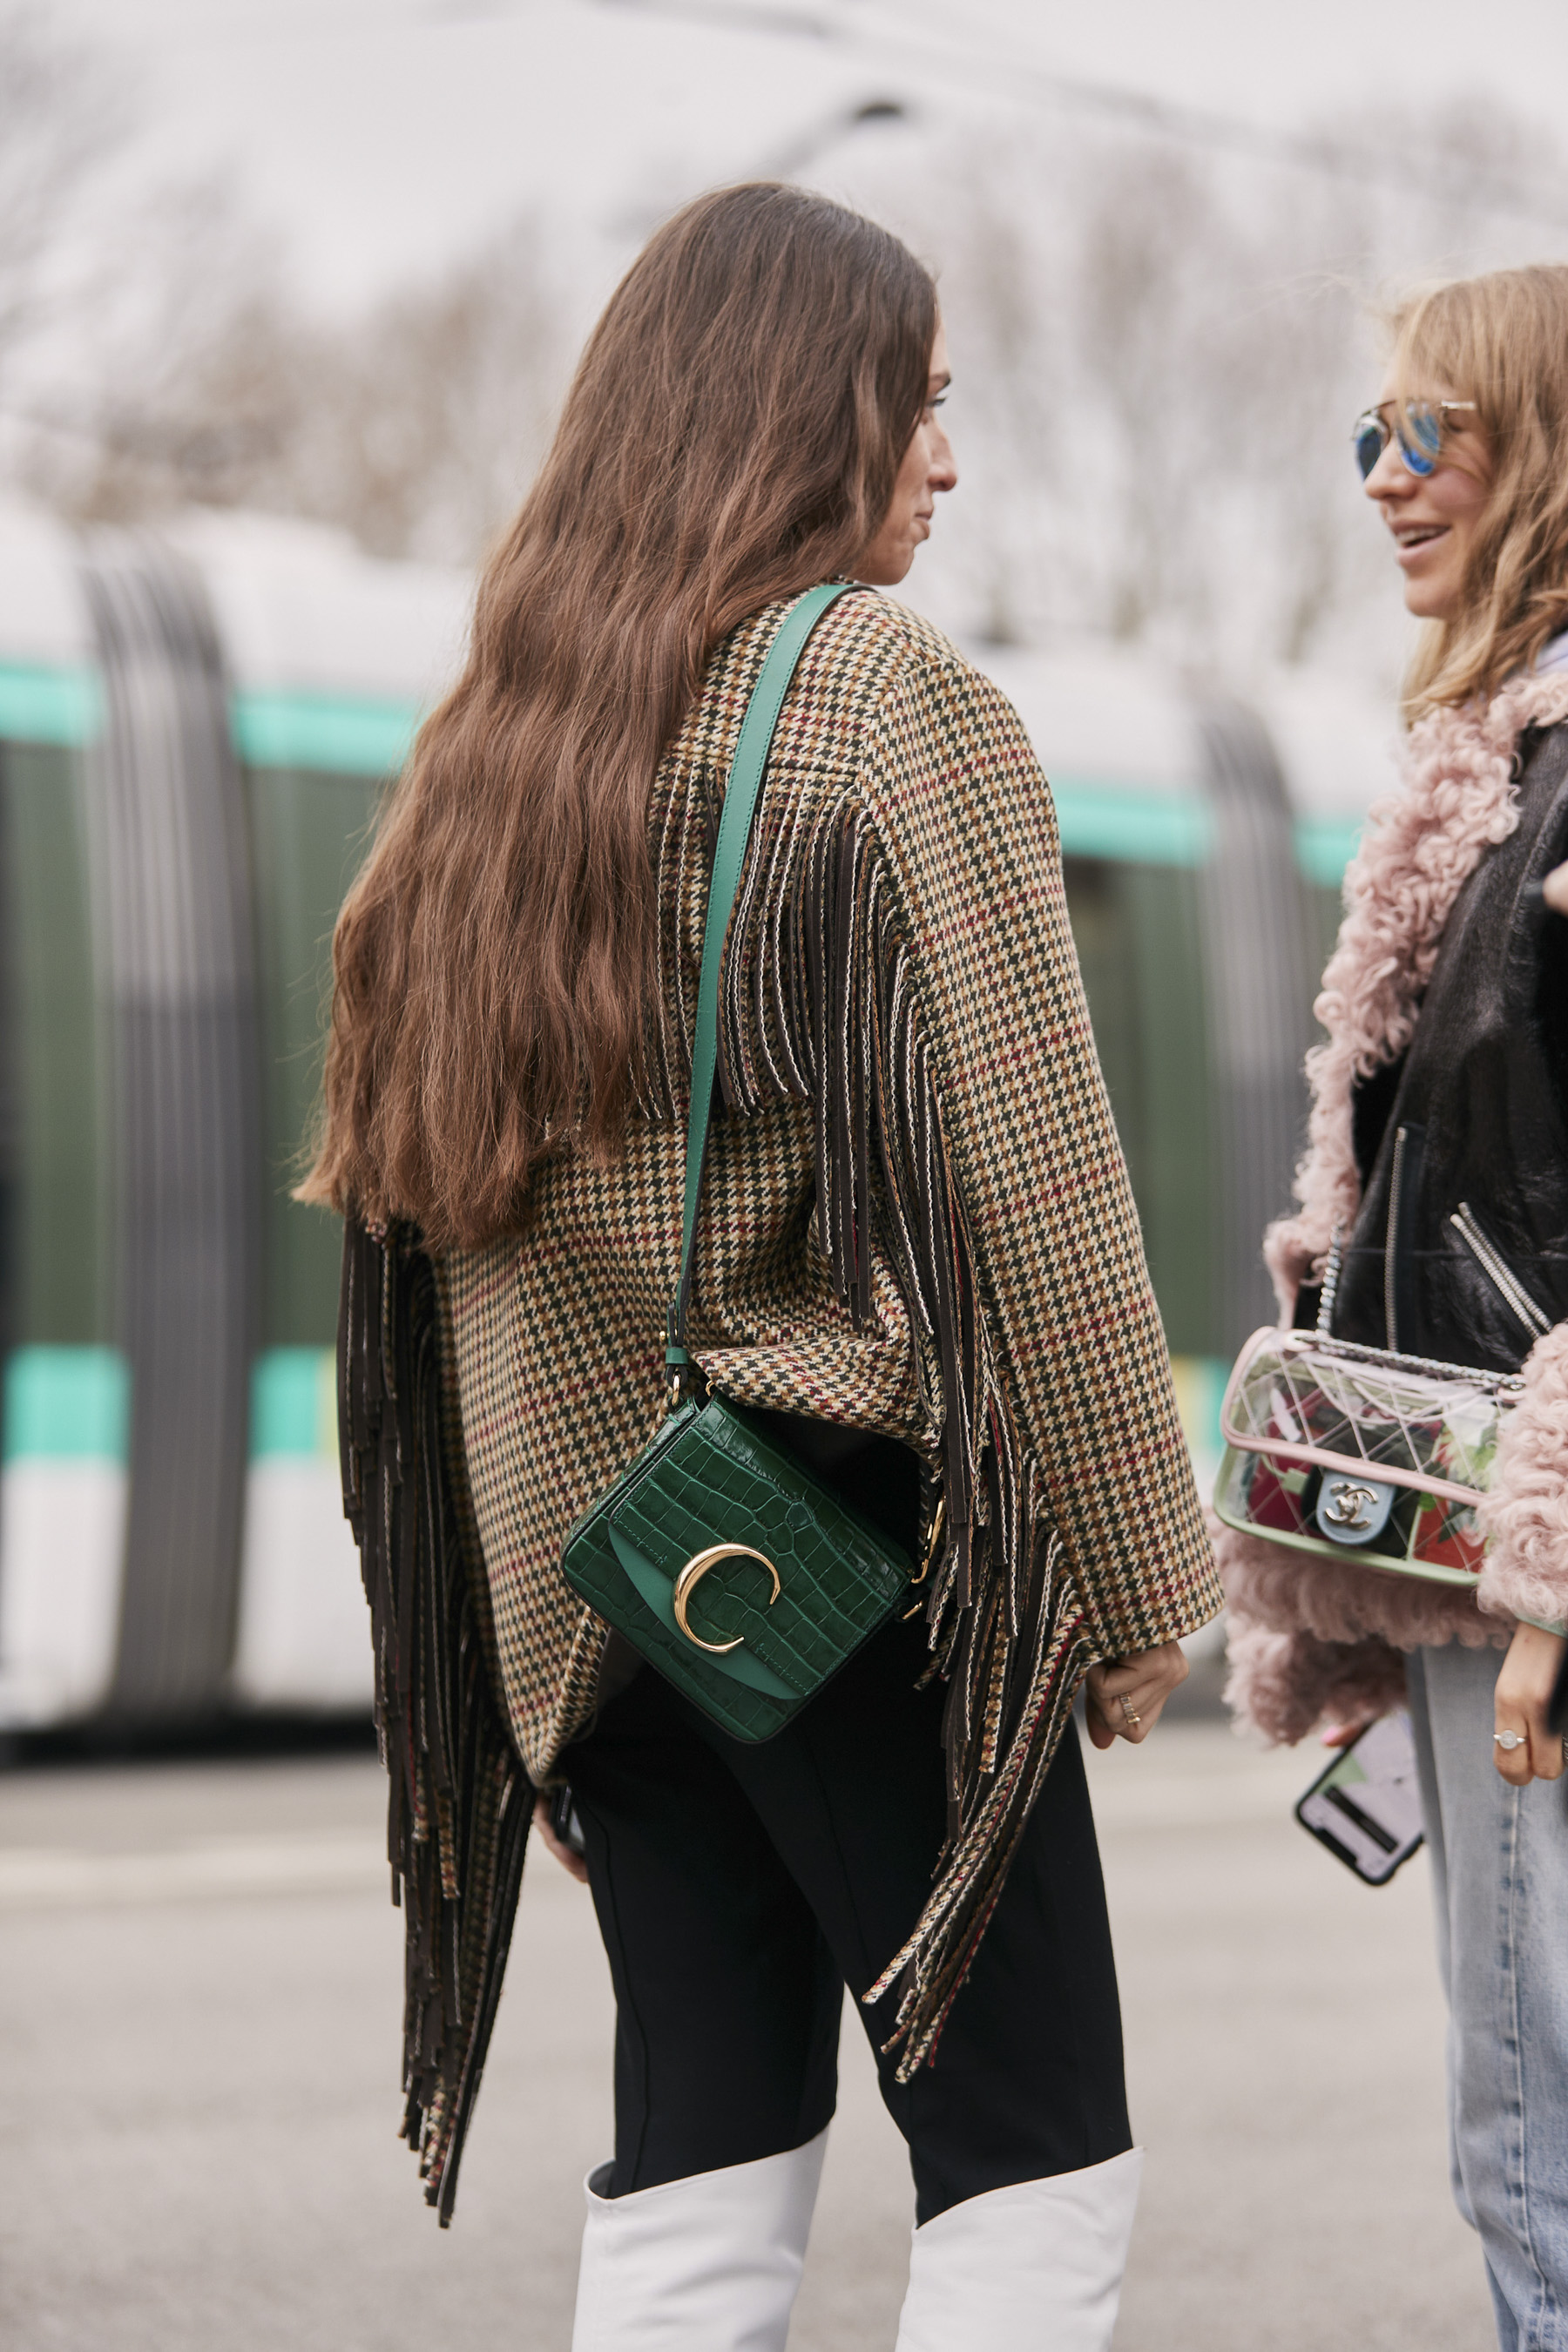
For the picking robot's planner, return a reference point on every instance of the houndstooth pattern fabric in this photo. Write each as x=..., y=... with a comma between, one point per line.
x=916, y=1219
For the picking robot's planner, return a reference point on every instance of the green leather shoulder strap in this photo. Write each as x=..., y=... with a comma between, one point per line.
x=741, y=794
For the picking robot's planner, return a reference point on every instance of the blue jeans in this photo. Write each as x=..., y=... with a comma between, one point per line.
x=1499, y=1882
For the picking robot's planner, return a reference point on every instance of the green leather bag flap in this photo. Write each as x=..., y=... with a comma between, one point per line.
x=711, y=1476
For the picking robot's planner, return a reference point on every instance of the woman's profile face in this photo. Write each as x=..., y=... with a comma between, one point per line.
x=1433, y=520
x=928, y=468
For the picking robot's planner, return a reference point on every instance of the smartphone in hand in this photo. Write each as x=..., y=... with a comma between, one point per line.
x=1365, y=1806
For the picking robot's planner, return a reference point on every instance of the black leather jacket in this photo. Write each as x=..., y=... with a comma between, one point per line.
x=1460, y=1247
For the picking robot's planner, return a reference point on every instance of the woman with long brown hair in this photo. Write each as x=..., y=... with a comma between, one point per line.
x=918, y=1270
x=1437, y=1182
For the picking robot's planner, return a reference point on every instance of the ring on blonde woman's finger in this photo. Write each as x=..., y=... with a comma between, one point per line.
x=1509, y=1740
x=1129, y=1712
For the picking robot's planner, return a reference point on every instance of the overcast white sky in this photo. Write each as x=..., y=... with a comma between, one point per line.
x=381, y=136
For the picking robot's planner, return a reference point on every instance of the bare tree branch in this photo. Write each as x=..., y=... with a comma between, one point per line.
x=59, y=123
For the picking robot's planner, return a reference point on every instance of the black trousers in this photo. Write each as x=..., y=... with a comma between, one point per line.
x=739, y=1890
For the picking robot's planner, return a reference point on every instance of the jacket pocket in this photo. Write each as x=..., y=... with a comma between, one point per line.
x=1499, y=1272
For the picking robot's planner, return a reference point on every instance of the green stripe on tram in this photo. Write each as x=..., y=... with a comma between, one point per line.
x=67, y=1404
x=1099, y=820
x=40, y=705
x=339, y=735
x=360, y=737
x=336, y=735
x=293, y=1404
x=1325, y=845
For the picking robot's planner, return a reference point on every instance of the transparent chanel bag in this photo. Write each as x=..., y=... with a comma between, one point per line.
x=1359, y=1454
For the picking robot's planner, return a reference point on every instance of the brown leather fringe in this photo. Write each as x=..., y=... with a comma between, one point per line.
x=460, y=1802
x=820, y=1004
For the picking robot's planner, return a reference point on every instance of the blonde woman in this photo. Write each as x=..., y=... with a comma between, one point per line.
x=1442, y=1088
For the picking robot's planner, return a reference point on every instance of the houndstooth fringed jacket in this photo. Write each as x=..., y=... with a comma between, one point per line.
x=916, y=1219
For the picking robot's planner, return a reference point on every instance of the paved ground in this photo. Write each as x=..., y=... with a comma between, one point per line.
x=198, y=2030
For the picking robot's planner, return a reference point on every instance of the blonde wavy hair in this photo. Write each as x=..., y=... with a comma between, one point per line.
x=1502, y=341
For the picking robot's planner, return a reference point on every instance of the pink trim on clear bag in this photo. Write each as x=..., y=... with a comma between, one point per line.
x=1355, y=1466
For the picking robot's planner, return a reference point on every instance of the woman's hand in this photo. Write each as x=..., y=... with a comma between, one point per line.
x=1125, y=1695
x=1524, y=1691
x=1554, y=889
x=543, y=1827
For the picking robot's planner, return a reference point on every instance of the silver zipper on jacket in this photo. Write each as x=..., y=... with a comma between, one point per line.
x=1502, y=1274
x=1390, y=1246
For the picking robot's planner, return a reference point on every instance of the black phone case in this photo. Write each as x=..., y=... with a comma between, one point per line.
x=1398, y=1852
x=564, y=1821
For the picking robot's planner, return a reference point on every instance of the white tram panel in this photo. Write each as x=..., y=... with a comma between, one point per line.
x=1117, y=739
x=300, y=609
x=1339, y=745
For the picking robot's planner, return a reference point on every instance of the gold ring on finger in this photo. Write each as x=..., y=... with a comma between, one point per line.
x=1130, y=1712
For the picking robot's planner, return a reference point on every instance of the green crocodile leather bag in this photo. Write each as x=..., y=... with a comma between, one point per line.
x=718, y=1555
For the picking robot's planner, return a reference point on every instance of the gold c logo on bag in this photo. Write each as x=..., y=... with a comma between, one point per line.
x=691, y=1576
x=1349, y=1505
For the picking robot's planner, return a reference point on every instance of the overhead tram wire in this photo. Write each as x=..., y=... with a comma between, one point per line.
x=1000, y=70
x=1022, y=81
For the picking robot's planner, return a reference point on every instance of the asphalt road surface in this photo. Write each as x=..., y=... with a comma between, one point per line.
x=199, y=2003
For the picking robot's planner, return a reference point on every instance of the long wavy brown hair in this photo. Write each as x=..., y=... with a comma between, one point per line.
x=1501, y=341
x=732, y=435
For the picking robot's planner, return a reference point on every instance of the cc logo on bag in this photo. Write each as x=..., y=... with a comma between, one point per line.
x=1349, y=1504
x=691, y=1576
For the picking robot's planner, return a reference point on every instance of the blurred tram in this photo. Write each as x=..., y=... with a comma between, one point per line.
x=195, y=729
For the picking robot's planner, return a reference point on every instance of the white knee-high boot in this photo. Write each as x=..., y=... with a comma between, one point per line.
x=1036, y=2268
x=707, y=2264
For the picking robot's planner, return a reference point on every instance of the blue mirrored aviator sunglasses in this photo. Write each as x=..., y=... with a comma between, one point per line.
x=1418, y=429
